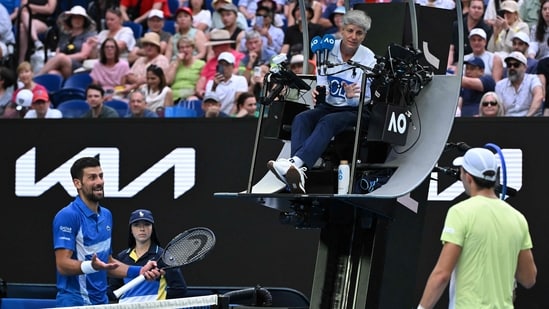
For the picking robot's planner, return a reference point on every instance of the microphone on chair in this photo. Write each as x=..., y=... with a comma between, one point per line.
x=316, y=48
x=327, y=44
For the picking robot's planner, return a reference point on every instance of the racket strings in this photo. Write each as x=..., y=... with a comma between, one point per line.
x=188, y=247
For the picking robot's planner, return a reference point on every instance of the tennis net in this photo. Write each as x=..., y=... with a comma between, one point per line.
x=196, y=302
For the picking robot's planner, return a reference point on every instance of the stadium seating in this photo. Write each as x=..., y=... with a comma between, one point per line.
x=120, y=106
x=195, y=105
x=178, y=111
x=78, y=80
x=73, y=108
x=67, y=93
x=136, y=28
x=52, y=82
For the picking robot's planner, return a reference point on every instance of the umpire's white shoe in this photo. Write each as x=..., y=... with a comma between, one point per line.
x=287, y=172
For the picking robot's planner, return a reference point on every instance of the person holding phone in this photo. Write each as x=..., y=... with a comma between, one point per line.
x=227, y=85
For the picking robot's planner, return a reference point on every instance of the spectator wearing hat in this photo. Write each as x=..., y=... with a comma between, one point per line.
x=95, y=97
x=505, y=29
x=40, y=107
x=76, y=43
x=493, y=9
x=219, y=42
x=474, y=84
x=486, y=245
x=293, y=38
x=184, y=21
x=228, y=12
x=493, y=65
x=217, y=23
x=521, y=93
x=273, y=37
x=473, y=19
x=19, y=106
x=138, y=10
x=334, y=25
x=256, y=53
x=156, y=24
x=202, y=17
x=226, y=85
x=138, y=71
x=211, y=105
x=143, y=246
x=520, y=43
x=138, y=106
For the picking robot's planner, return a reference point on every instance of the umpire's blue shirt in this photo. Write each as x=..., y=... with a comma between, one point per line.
x=77, y=228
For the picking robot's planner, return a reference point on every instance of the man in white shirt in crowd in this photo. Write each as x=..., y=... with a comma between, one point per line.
x=40, y=107
x=226, y=85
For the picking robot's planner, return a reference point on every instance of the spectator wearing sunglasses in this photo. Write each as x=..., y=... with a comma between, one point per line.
x=490, y=105
x=521, y=93
x=474, y=84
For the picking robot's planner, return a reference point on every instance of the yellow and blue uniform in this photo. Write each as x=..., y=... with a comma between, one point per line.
x=171, y=285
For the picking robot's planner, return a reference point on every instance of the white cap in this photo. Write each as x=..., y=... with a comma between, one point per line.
x=24, y=98
x=296, y=59
x=522, y=36
x=211, y=96
x=480, y=163
x=478, y=31
x=227, y=57
x=156, y=13
x=517, y=56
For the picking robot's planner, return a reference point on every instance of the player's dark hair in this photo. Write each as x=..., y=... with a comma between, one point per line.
x=95, y=87
x=77, y=168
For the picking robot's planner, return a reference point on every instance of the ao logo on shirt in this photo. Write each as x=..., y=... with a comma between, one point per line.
x=336, y=87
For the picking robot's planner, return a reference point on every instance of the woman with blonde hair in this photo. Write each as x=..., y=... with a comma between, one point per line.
x=491, y=105
x=505, y=29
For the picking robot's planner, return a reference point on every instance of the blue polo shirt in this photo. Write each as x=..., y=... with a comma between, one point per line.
x=77, y=228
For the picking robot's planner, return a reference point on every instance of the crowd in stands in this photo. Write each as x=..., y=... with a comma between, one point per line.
x=155, y=54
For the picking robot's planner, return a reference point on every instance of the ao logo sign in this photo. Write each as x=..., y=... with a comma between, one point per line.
x=181, y=160
x=397, y=124
x=513, y=161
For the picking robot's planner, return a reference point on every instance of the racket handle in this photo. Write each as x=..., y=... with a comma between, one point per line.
x=128, y=286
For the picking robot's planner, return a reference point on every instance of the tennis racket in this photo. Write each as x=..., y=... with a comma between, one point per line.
x=185, y=248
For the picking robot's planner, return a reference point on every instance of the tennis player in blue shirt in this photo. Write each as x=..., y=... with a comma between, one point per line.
x=82, y=243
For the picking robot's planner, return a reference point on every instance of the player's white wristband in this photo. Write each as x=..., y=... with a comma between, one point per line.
x=87, y=267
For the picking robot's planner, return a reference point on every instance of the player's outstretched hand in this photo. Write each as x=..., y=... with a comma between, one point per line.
x=97, y=264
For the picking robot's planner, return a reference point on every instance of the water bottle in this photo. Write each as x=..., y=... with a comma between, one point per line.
x=343, y=176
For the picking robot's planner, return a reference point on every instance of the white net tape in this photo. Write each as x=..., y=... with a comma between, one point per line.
x=187, y=303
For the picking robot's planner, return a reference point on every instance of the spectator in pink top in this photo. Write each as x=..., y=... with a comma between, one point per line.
x=110, y=70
